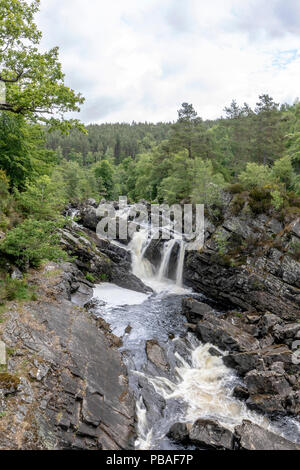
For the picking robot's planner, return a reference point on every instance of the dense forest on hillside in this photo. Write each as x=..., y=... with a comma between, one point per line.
x=190, y=159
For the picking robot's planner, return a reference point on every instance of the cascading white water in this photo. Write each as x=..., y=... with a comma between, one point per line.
x=141, y=267
x=144, y=435
x=206, y=387
x=180, y=265
x=163, y=270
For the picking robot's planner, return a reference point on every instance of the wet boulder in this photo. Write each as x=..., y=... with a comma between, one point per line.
x=225, y=335
x=250, y=436
x=195, y=310
x=153, y=252
x=210, y=434
x=241, y=393
x=88, y=217
x=246, y=361
x=267, y=382
x=156, y=355
x=179, y=432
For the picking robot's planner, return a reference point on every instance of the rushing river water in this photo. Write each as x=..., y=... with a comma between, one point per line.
x=193, y=384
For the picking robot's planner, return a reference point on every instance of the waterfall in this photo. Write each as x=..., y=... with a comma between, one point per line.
x=141, y=267
x=163, y=270
x=144, y=440
x=180, y=265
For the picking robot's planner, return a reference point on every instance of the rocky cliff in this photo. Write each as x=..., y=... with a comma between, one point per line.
x=65, y=385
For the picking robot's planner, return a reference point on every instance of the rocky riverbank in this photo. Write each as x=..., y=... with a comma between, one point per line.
x=65, y=385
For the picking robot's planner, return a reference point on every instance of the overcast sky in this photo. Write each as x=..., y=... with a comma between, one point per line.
x=140, y=59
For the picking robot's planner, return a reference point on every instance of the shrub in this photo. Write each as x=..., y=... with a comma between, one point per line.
x=235, y=188
x=15, y=289
x=294, y=200
x=277, y=199
x=239, y=202
x=283, y=171
x=255, y=176
x=260, y=200
x=89, y=277
x=33, y=242
x=43, y=199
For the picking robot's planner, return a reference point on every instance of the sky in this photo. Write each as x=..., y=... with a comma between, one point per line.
x=138, y=60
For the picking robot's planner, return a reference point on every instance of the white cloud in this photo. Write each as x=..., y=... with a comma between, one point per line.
x=140, y=59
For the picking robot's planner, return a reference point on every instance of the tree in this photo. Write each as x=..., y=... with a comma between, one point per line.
x=43, y=199
x=207, y=186
x=239, y=125
x=34, y=81
x=283, y=171
x=255, y=175
x=188, y=132
x=269, y=138
x=104, y=173
x=117, y=151
x=177, y=185
x=23, y=155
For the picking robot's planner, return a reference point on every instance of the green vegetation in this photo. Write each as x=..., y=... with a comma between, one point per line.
x=90, y=277
x=190, y=160
x=31, y=243
x=15, y=289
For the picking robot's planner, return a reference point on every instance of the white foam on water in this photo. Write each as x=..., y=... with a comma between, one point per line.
x=144, y=440
x=115, y=296
x=206, y=387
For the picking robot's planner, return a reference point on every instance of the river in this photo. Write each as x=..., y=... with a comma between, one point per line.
x=189, y=382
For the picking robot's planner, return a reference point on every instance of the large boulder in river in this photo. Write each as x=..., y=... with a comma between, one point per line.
x=210, y=434
x=250, y=436
x=156, y=354
x=195, y=310
x=246, y=361
x=268, y=382
x=153, y=252
x=225, y=335
x=179, y=433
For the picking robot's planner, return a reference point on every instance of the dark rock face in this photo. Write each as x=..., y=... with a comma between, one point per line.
x=101, y=258
x=88, y=217
x=259, y=359
x=210, y=434
x=156, y=355
x=77, y=396
x=253, y=275
x=269, y=382
x=195, y=310
x=259, y=275
x=179, y=432
x=252, y=437
x=153, y=252
x=225, y=335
